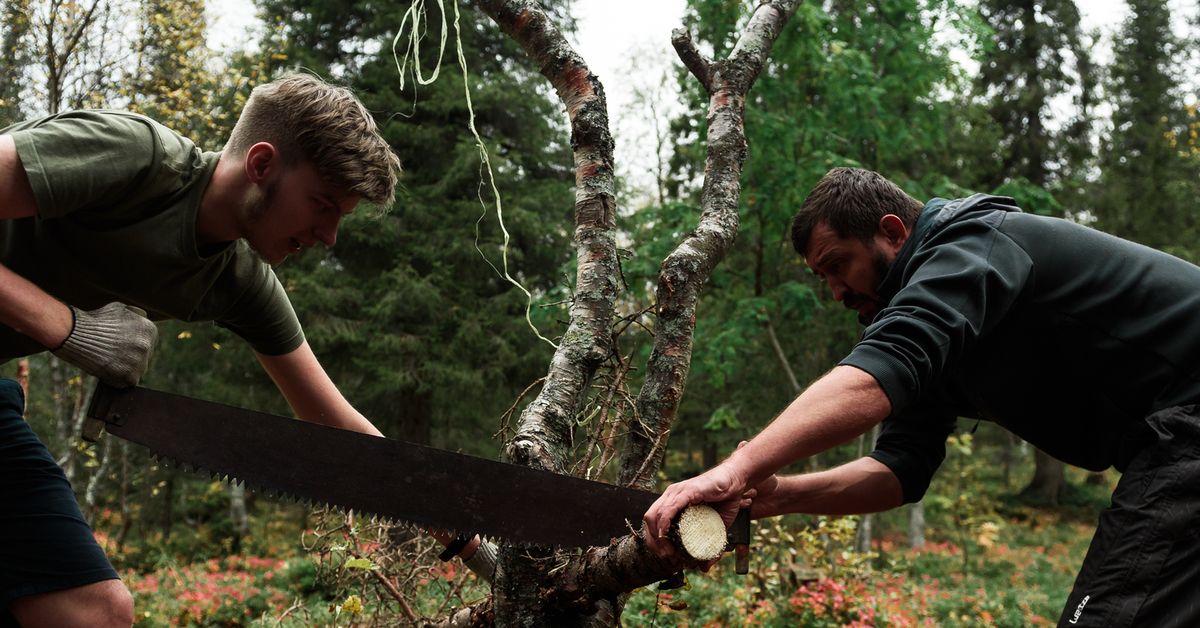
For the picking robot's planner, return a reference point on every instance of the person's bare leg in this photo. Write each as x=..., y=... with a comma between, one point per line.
x=104, y=604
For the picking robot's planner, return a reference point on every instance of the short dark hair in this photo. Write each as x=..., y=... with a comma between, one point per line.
x=852, y=201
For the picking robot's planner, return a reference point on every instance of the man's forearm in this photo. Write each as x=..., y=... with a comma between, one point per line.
x=862, y=486
x=840, y=406
x=310, y=392
x=843, y=404
x=29, y=310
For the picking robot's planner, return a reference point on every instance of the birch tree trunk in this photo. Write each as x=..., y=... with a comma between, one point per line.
x=862, y=536
x=916, y=524
x=689, y=266
x=237, y=514
x=535, y=587
x=23, y=376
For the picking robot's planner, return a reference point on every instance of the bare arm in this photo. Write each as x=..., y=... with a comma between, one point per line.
x=23, y=306
x=311, y=393
x=862, y=486
x=840, y=406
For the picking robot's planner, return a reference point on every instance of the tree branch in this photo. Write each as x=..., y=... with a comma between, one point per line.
x=604, y=572
x=544, y=430
x=690, y=265
x=693, y=60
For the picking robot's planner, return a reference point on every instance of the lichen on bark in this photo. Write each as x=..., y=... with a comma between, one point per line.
x=687, y=268
x=537, y=588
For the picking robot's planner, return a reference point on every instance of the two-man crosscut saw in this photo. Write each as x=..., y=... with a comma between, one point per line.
x=405, y=482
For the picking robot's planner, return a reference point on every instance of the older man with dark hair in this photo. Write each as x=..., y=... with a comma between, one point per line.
x=1086, y=345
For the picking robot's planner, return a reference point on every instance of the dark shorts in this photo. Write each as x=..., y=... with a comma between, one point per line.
x=45, y=543
x=1143, y=567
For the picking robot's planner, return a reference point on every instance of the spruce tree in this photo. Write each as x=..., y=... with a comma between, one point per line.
x=409, y=312
x=1149, y=189
x=1026, y=67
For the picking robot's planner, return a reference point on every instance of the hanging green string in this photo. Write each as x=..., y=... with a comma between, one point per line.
x=417, y=12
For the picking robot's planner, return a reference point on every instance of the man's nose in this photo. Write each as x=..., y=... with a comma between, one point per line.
x=327, y=231
x=839, y=289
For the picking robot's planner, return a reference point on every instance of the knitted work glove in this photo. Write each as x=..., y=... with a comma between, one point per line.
x=483, y=561
x=113, y=343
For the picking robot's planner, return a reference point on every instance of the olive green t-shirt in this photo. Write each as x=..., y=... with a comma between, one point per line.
x=117, y=197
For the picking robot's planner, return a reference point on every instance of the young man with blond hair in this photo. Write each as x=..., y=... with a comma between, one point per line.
x=111, y=221
x=1084, y=344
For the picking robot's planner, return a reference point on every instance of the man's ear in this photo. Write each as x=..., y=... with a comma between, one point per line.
x=261, y=161
x=893, y=230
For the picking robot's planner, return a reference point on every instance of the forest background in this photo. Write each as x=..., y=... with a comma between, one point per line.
x=421, y=332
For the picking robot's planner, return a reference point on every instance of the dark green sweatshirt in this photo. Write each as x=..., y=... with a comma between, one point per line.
x=1066, y=336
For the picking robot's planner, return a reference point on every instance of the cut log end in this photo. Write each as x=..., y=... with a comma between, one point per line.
x=700, y=531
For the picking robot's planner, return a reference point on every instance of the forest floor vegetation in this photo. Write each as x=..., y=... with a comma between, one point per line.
x=989, y=561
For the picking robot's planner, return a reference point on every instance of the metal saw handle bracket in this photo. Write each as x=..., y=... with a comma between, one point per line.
x=737, y=539
x=101, y=412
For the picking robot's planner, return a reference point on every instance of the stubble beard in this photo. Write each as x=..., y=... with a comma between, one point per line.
x=881, y=266
x=255, y=214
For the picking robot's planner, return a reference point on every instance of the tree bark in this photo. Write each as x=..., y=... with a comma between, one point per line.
x=689, y=266
x=23, y=377
x=916, y=524
x=1009, y=454
x=538, y=588
x=237, y=514
x=862, y=536
x=544, y=434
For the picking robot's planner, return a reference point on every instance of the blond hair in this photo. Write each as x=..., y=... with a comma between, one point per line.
x=305, y=118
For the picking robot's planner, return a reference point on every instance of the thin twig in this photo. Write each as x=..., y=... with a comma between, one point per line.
x=387, y=584
x=507, y=416
x=454, y=593
x=653, y=457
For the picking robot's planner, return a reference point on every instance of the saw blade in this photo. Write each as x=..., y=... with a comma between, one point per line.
x=371, y=475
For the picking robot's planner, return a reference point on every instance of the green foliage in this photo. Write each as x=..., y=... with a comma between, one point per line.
x=1143, y=157
x=232, y=591
x=408, y=312
x=1026, y=66
x=846, y=84
x=14, y=59
x=1022, y=578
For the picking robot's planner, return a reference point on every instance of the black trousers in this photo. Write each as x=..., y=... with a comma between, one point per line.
x=1143, y=566
x=45, y=543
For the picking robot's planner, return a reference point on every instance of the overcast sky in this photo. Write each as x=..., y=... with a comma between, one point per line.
x=620, y=37
x=608, y=29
